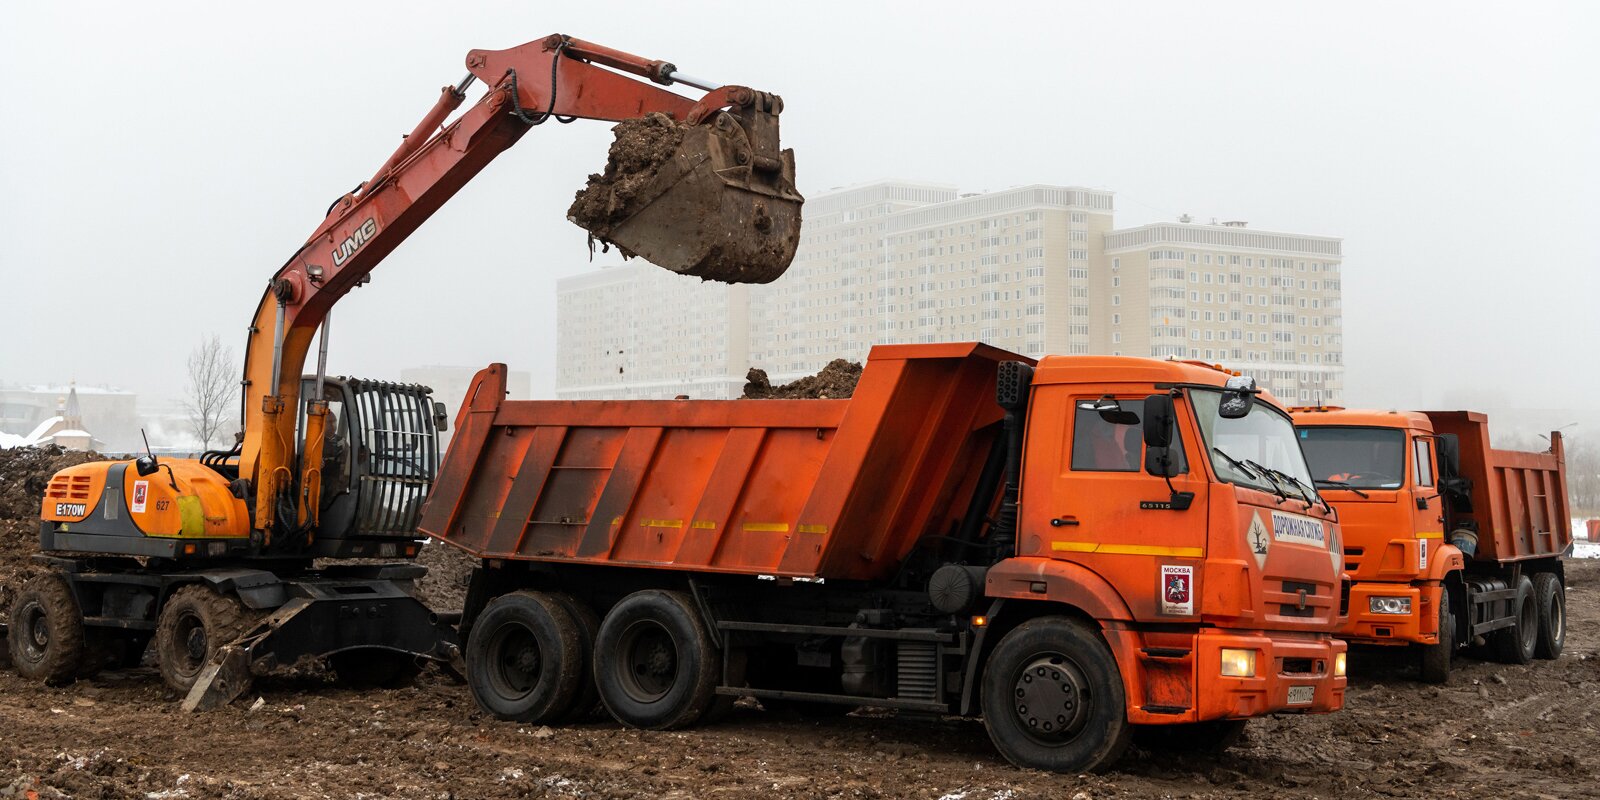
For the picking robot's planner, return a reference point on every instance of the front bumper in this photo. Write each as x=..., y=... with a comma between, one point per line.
x=1420, y=626
x=1174, y=678
x=1293, y=674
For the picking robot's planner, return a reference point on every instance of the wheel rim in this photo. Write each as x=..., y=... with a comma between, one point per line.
x=1050, y=699
x=190, y=635
x=515, y=661
x=1528, y=623
x=649, y=661
x=1558, y=618
x=35, y=630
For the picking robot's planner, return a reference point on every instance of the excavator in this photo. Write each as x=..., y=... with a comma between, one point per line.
x=263, y=555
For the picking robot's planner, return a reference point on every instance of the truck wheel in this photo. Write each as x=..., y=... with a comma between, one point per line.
x=1434, y=659
x=1515, y=645
x=523, y=660
x=1550, y=598
x=195, y=623
x=1053, y=699
x=654, y=661
x=374, y=668
x=46, y=641
x=587, y=697
x=1211, y=737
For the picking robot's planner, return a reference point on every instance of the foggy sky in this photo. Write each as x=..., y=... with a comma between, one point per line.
x=159, y=165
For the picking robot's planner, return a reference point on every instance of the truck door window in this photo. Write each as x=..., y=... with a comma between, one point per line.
x=1424, y=463
x=1101, y=446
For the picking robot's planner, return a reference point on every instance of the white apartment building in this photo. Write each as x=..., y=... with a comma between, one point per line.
x=1034, y=269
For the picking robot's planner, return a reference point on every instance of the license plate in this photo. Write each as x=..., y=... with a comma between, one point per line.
x=1302, y=695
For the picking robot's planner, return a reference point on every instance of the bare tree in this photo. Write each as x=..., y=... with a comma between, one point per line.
x=213, y=389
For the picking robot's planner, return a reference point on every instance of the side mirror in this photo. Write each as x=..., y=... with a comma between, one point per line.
x=1110, y=410
x=145, y=465
x=441, y=419
x=1158, y=419
x=1237, y=397
x=1447, y=446
x=1158, y=462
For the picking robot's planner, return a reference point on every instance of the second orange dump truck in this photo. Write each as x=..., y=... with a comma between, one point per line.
x=1082, y=550
x=1448, y=541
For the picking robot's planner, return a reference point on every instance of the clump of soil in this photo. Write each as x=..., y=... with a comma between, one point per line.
x=641, y=146
x=444, y=588
x=24, y=474
x=835, y=381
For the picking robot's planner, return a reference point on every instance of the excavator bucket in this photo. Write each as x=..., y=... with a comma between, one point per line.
x=715, y=200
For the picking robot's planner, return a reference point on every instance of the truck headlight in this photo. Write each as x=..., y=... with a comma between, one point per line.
x=1338, y=665
x=1238, y=663
x=1389, y=605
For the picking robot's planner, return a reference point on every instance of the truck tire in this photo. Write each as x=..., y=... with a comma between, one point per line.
x=1434, y=659
x=587, y=696
x=1211, y=737
x=194, y=624
x=1550, y=598
x=654, y=661
x=374, y=668
x=46, y=641
x=1052, y=698
x=1515, y=645
x=523, y=659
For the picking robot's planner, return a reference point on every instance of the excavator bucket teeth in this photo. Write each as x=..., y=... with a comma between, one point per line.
x=714, y=200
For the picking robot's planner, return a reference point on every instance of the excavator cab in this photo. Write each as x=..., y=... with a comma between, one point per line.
x=380, y=454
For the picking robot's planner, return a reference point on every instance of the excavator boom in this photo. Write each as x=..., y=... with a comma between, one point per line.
x=715, y=198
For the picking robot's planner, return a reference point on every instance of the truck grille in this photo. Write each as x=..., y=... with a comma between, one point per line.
x=1294, y=609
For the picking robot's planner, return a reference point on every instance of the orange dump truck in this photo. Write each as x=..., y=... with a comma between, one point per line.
x=1448, y=541
x=1081, y=550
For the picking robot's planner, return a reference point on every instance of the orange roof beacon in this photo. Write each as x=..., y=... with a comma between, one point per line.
x=1083, y=550
x=1448, y=541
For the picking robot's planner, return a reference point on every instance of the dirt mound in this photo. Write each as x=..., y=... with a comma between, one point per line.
x=835, y=381
x=24, y=473
x=449, y=568
x=641, y=146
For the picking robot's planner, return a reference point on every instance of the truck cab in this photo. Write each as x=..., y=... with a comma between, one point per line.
x=1447, y=541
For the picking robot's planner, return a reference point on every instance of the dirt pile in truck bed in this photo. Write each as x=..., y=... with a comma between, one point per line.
x=835, y=381
x=641, y=146
x=24, y=473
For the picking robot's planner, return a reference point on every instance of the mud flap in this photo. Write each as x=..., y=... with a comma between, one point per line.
x=323, y=619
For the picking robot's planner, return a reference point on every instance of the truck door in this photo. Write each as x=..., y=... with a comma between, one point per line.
x=1107, y=513
x=1427, y=506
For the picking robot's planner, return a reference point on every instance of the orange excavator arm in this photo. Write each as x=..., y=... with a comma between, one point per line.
x=680, y=223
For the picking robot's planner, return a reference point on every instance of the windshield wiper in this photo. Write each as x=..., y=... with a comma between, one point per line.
x=1237, y=464
x=1272, y=478
x=1305, y=491
x=1343, y=485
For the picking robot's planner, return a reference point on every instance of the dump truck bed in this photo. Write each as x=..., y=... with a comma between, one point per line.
x=837, y=489
x=1519, y=499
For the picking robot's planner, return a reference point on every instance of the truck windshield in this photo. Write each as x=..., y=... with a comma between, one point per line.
x=1257, y=450
x=1364, y=458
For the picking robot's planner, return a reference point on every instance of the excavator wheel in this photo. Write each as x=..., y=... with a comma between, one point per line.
x=195, y=622
x=46, y=640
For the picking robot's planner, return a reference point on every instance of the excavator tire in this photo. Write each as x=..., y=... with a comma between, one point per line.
x=195, y=623
x=46, y=640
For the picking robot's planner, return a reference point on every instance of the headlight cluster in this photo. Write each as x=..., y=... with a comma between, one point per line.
x=1389, y=605
x=1238, y=663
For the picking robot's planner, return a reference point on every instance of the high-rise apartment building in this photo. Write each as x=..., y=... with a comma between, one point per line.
x=1035, y=269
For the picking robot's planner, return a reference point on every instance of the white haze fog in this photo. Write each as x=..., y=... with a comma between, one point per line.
x=160, y=161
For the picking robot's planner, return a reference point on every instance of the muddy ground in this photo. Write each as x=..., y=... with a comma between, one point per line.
x=836, y=380
x=1495, y=731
